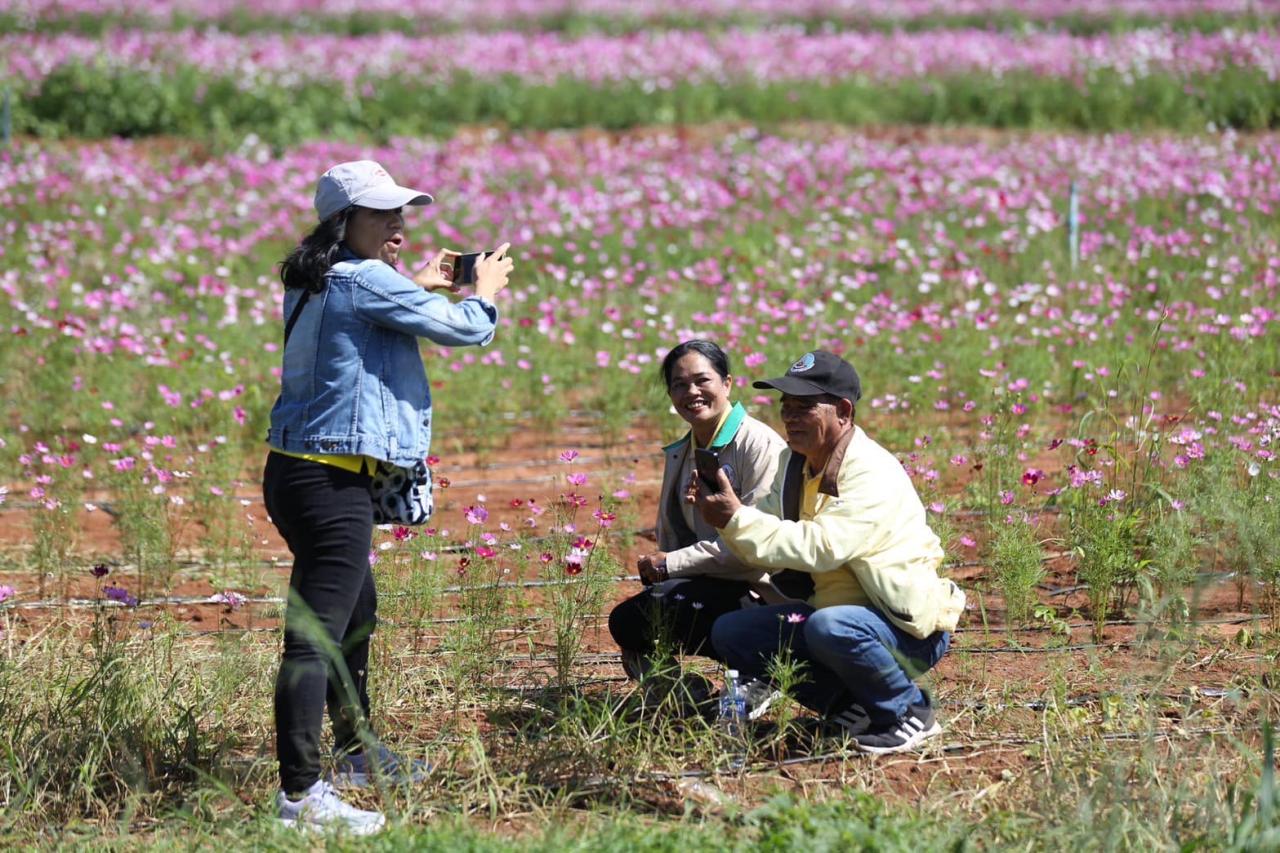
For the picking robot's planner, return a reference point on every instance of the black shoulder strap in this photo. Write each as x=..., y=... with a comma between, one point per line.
x=792, y=487
x=791, y=582
x=293, y=318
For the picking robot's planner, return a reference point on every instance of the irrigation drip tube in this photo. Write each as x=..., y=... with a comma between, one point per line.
x=73, y=603
x=958, y=649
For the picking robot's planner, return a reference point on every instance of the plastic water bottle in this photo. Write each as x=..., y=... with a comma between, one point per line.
x=733, y=705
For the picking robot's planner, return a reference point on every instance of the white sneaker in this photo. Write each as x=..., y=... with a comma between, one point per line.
x=360, y=770
x=322, y=809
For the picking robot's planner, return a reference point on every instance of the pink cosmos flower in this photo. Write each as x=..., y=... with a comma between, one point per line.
x=476, y=514
x=574, y=560
x=231, y=599
x=568, y=455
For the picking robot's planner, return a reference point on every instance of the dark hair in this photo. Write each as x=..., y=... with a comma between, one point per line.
x=706, y=349
x=306, y=265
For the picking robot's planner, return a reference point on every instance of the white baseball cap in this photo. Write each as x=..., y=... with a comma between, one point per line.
x=365, y=183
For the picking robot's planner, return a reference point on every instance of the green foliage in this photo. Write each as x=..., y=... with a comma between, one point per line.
x=185, y=102
x=1104, y=541
x=1243, y=514
x=1017, y=561
x=86, y=735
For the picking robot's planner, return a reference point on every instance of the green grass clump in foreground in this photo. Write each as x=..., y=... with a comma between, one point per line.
x=189, y=103
x=136, y=736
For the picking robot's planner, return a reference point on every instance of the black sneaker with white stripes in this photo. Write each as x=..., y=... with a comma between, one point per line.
x=846, y=723
x=760, y=695
x=910, y=730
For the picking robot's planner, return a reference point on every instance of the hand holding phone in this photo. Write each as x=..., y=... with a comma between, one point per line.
x=707, y=464
x=493, y=272
x=460, y=267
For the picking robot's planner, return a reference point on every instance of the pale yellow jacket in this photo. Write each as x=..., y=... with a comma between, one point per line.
x=869, y=521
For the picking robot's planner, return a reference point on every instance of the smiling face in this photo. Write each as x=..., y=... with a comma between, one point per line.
x=700, y=394
x=814, y=425
x=376, y=233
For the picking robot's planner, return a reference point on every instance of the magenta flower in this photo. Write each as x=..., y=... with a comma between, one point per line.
x=574, y=560
x=576, y=479
x=7, y=592
x=1031, y=476
x=485, y=551
x=476, y=514
x=568, y=455
x=231, y=599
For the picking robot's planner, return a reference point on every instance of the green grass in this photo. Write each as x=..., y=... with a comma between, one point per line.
x=191, y=104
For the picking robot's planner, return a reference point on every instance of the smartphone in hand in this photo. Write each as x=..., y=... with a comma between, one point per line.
x=461, y=269
x=707, y=464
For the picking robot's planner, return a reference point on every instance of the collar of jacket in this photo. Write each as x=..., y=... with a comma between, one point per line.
x=737, y=415
x=831, y=471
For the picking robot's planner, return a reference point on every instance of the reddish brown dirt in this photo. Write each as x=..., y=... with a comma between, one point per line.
x=983, y=685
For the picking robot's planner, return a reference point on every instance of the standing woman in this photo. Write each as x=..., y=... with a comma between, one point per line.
x=692, y=578
x=353, y=391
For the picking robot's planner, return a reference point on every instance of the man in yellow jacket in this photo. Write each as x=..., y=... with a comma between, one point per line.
x=843, y=510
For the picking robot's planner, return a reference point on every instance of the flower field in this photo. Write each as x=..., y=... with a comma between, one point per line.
x=287, y=86
x=1087, y=402
x=427, y=15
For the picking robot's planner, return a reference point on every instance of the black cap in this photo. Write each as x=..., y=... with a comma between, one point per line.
x=818, y=372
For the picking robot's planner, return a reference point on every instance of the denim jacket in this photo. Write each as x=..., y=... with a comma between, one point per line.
x=353, y=380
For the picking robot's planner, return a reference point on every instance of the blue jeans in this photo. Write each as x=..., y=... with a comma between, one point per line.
x=851, y=654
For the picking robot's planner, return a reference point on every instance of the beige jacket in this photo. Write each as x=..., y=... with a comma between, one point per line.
x=749, y=453
x=871, y=523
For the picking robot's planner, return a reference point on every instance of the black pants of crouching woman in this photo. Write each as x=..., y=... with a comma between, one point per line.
x=325, y=515
x=680, y=612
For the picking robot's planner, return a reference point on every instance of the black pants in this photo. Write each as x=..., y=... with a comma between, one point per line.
x=325, y=515
x=680, y=611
